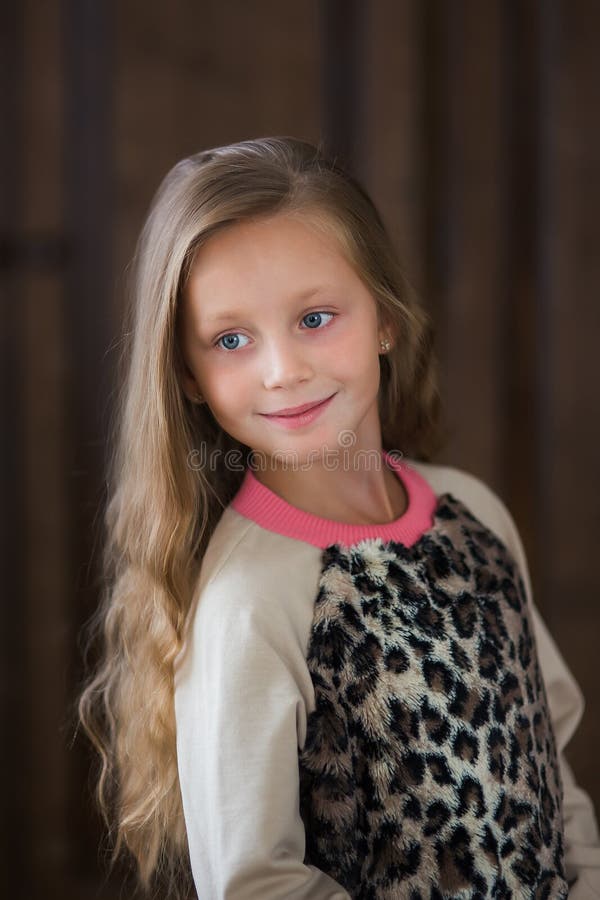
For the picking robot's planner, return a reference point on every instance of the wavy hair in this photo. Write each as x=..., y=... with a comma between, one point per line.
x=161, y=512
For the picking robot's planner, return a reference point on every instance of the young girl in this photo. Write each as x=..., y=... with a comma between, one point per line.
x=323, y=674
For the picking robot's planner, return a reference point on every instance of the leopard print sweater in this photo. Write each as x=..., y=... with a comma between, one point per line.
x=430, y=768
x=372, y=712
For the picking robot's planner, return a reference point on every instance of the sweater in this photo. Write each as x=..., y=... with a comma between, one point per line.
x=377, y=711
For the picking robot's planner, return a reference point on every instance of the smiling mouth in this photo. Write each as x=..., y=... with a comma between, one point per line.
x=301, y=410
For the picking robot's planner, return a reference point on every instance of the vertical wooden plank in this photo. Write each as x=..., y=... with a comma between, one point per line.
x=88, y=191
x=342, y=80
x=467, y=224
x=518, y=381
x=568, y=363
x=40, y=341
x=13, y=746
x=392, y=109
x=434, y=49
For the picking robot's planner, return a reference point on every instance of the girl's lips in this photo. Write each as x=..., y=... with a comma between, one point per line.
x=303, y=418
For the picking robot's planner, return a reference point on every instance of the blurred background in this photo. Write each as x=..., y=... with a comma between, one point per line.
x=473, y=124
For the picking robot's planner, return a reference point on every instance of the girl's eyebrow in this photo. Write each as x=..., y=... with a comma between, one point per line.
x=231, y=314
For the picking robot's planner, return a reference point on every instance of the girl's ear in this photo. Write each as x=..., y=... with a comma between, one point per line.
x=185, y=377
x=387, y=336
x=189, y=386
x=386, y=327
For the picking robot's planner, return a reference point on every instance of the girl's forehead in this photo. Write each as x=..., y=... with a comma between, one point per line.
x=270, y=264
x=269, y=246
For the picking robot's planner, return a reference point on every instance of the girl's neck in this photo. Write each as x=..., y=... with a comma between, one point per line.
x=359, y=491
x=309, y=518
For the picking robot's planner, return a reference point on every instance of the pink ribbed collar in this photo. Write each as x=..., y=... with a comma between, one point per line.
x=257, y=502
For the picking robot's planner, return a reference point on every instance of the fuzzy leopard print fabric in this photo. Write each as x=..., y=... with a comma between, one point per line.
x=430, y=767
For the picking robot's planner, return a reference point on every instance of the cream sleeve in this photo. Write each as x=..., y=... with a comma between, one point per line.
x=582, y=841
x=238, y=702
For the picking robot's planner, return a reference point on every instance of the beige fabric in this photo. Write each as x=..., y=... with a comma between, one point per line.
x=243, y=694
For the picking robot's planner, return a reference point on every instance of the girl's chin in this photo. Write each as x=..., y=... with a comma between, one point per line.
x=298, y=454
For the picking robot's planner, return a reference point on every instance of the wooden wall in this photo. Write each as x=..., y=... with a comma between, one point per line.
x=474, y=126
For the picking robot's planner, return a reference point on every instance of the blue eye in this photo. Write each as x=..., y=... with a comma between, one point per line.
x=234, y=336
x=228, y=337
x=318, y=316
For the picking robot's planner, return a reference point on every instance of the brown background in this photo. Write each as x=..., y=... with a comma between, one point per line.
x=474, y=125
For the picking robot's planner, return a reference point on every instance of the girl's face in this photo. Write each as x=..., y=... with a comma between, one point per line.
x=275, y=317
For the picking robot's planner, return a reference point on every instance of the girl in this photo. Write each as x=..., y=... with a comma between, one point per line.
x=323, y=674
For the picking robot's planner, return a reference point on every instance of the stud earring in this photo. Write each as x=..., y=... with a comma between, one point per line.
x=198, y=398
x=385, y=345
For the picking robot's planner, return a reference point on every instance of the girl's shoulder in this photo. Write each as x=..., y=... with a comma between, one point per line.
x=250, y=580
x=241, y=553
x=482, y=501
x=465, y=486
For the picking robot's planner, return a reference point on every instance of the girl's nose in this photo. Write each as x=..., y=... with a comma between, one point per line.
x=286, y=365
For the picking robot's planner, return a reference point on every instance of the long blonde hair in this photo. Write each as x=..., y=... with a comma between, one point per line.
x=161, y=511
